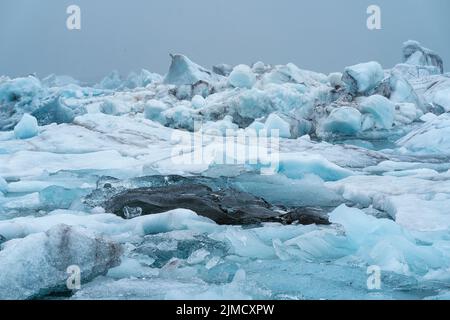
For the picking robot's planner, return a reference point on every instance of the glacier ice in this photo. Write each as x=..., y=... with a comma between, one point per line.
x=185, y=72
x=381, y=109
x=275, y=124
x=345, y=120
x=37, y=264
x=198, y=102
x=26, y=128
x=297, y=165
x=361, y=179
x=54, y=111
x=20, y=89
x=415, y=54
x=430, y=138
x=153, y=110
x=362, y=78
x=242, y=77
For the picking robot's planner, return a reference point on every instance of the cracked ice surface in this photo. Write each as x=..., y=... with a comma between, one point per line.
x=362, y=179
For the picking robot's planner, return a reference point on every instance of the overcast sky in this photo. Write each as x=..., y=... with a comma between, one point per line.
x=126, y=35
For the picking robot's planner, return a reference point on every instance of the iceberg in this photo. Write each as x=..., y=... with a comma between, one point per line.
x=54, y=111
x=26, y=128
x=364, y=77
x=185, y=72
x=415, y=54
x=46, y=256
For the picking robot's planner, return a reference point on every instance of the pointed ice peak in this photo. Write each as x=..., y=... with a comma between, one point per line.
x=183, y=71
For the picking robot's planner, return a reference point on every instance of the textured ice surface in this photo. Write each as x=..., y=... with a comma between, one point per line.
x=37, y=264
x=366, y=148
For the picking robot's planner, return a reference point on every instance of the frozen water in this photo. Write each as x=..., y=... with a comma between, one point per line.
x=185, y=72
x=153, y=110
x=242, y=77
x=381, y=109
x=298, y=165
x=26, y=128
x=37, y=264
x=362, y=78
x=363, y=163
x=431, y=138
x=275, y=123
x=344, y=120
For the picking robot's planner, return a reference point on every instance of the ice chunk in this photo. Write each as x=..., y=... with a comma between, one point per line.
x=415, y=54
x=297, y=165
x=384, y=243
x=402, y=91
x=37, y=265
x=181, y=117
x=20, y=89
x=221, y=127
x=406, y=113
x=428, y=117
x=26, y=128
x=54, y=111
x=259, y=67
x=142, y=79
x=345, y=120
x=275, y=124
x=242, y=77
x=109, y=107
x=112, y=81
x=56, y=197
x=364, y=77
x=59, y=81
x=414, y=213
x=222, y=69
x=153, y=110
x=255, y=127
x=198, y=102
x=442, y=99
x=432, y=138
x=335, y=80
x=381, y=109
x=185, y=72
x=132, y=268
